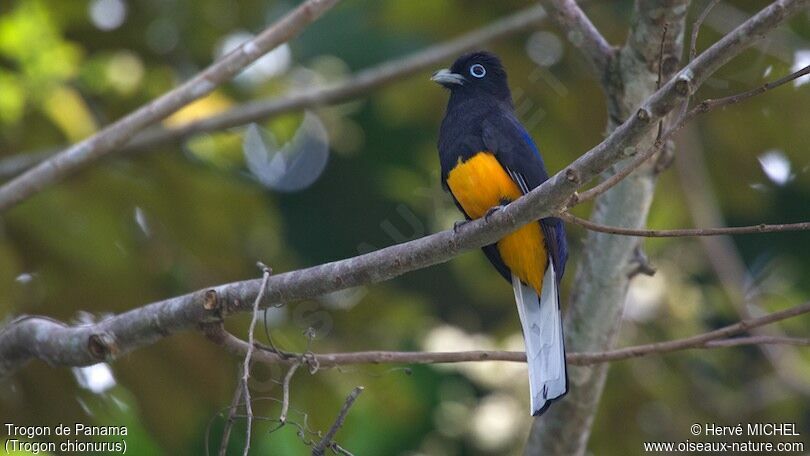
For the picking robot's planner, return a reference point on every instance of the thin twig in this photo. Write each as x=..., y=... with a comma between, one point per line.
x=285, y=398
x=760, y=340
x=618, y=176
x=249, y=354
x=724, y=335
x=327, y=441
x=661, y=77
x=658, y=145
x=685, y=232
x=302, y=428
x=340, y=450
x=710, y=104
x=682, y=110
x=696, y=28
x=576, y=359
x=701, y=340
x=226, y=433
x=661, y=58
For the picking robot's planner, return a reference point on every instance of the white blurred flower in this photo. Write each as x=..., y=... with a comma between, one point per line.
x=344, y=299
x=293, y=166
x=776, y=166
x=544, y=48
x=276, y=316
x=448, y=338
x=24, y=278
x=496, y=422
x=451, y=418
x=140, y=220
x=125, y=72
x=644, y=297
x=97, y=378
x=491, y=374
x=107, y=14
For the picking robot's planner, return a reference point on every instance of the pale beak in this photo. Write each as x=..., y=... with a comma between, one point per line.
x=446, y=78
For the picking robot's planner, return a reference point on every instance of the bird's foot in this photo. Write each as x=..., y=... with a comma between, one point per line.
x=493, y=210
x=459, y=224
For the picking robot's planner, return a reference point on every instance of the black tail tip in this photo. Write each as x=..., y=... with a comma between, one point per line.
x=547, y=404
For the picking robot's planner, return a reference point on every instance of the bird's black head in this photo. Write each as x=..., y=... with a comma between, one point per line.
x=476, y=73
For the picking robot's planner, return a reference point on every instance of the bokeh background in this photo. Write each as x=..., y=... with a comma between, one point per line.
x=180, y=217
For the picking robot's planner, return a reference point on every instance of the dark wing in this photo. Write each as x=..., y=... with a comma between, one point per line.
x=557, y=245
x=513, y=146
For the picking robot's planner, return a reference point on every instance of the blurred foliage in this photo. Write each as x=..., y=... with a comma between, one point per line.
x=134, y=230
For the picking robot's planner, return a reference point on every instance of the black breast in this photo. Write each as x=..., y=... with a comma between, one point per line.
x=460, y=135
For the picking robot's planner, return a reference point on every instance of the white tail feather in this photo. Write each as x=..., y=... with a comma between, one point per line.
x=542, y=333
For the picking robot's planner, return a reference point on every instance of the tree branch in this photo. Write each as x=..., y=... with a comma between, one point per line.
x=718, y=338
x=31, y=337
x=245, y=387
x=285, y=392
x=118, y=133
x=696, y=28
x=708, y=105
x=355, y=87
x=15, y=164
x=583, y=34
x=686, y=232
x=229, y=421
x=329, y=438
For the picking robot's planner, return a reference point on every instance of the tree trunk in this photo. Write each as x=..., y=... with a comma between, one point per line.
x=605, y=269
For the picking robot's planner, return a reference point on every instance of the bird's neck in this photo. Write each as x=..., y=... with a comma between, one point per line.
x=464, y=104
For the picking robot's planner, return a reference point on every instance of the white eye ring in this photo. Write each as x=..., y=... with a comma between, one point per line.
x=478, y=70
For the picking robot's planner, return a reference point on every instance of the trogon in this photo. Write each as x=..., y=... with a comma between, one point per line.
x=488, y=160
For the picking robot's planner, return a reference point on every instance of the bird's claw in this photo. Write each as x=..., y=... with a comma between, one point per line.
x=491, y=211
x=459, y=224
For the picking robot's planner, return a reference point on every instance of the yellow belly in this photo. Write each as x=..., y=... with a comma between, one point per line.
x=481, y=183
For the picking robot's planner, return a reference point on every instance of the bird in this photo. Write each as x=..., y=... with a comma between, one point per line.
x=488, y=160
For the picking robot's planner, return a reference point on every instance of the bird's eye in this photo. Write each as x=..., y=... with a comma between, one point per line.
x=478, y=70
